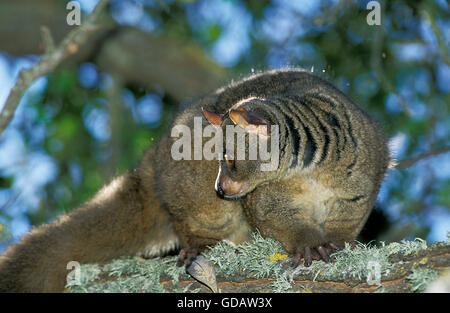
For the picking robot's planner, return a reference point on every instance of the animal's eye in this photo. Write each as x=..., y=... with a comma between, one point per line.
x=229, y=161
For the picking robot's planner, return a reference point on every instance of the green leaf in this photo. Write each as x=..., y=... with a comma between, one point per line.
x=67, y=127
x=214, y=32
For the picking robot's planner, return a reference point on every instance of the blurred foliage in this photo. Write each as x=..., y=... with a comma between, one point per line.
x=84, y=155
x=4, y=233
x=398, y=72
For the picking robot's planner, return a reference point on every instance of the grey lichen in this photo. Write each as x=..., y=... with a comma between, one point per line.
x=259, y=258
x=88, y=274
x=252, y=257
x=127, y=275
x=362, y=262
x=420, y=278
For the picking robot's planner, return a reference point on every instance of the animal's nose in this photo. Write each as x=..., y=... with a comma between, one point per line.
x=226, y=187
x=220, y=191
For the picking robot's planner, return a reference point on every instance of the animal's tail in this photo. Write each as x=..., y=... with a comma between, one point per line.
x=123, y=218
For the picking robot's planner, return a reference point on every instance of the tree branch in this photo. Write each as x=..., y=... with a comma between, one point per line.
x=180, y=67
x=409, y=162
x=408, y=266
x=52, y=57
x=436, y=258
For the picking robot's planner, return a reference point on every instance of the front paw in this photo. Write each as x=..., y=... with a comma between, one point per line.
x=321, y=252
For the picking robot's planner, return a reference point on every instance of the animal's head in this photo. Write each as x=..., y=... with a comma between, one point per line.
x=250, y=148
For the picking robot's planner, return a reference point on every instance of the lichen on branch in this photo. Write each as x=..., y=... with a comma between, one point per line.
x=407, y=266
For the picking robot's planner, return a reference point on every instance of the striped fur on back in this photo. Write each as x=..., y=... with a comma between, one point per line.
x=333, y=157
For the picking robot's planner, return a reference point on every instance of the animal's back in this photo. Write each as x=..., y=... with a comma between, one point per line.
x=335, y=157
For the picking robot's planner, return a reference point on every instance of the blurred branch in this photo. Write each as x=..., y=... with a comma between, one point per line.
x=425, y=13
x=407, y=163
x=52, y=57
x=47, y=38
x=115, y=106
x=11, y=201
x=181, y=68
x=178, y=66
x=20, y=22
x=375, y=62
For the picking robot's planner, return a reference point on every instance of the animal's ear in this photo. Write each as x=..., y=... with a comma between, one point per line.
x=213, y=118
x=252, y=122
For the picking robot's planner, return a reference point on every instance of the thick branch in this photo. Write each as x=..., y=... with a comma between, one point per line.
x=20, y=22
x=436, y=258
x=49, y=61
x=181, y=68
x=403, y=267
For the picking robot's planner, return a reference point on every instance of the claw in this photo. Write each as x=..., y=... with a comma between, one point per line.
x=334, y=246
x=323, y=253
x=308, y=258
x=290, y=262
x=315, y=255
x=309, y=254
x=353, y=244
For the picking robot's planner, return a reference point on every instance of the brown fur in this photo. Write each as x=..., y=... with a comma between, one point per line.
x=162, y=203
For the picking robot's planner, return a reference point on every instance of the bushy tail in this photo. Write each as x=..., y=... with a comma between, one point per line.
x=123, y=218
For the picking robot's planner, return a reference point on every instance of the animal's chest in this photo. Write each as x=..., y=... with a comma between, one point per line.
x=286, y=200
x=221, y=219
x=315, y=201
